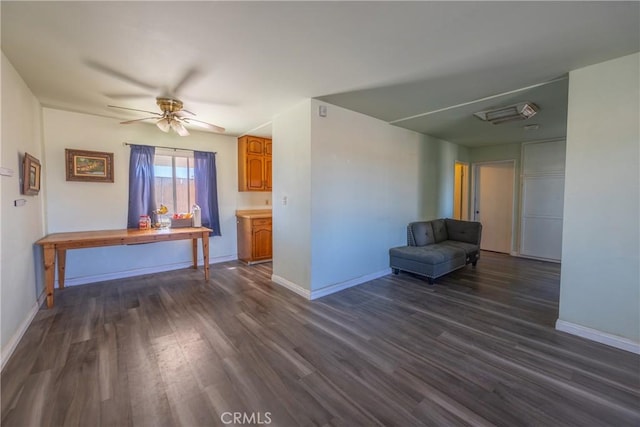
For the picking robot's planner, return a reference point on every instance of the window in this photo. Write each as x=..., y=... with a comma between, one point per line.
x=174, y=180
x=172, y=176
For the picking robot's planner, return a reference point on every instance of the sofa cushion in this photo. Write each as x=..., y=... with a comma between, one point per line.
x=430, y=270
x=420, y=233
x=468, y=248
x=431, y=254
x=439, y=230
x=463, y=231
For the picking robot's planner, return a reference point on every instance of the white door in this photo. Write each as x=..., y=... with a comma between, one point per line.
x=543, y=166
x=494, y=204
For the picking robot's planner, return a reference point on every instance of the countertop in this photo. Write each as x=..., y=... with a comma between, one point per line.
x=254, y=213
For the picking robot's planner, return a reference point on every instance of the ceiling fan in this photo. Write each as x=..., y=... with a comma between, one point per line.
x=173, y=116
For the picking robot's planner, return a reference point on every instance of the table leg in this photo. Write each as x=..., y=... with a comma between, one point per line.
x=205, y=253
x=194, y=252
x=49, y=271
x=62, y=260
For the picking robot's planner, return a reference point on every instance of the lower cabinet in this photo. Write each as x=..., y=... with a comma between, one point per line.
x=254, y=239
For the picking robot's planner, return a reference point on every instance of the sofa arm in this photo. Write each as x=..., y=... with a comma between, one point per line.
x=411, y=241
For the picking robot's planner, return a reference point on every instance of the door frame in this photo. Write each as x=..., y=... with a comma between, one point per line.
x=515, y=200
x=464, y=191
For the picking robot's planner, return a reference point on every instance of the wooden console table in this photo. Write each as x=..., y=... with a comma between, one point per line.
x=56, y=245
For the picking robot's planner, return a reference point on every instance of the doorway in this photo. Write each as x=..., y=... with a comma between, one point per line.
x=493, y=204
x=461, y=191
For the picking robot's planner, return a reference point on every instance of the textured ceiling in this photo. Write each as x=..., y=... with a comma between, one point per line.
x=248, y=61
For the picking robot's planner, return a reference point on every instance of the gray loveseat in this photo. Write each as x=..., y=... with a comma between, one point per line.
x=435, y=248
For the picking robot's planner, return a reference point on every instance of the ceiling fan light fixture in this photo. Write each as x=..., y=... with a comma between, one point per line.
x=172, y=117
x=179, y=128
x=520, y=111
x=163, y=124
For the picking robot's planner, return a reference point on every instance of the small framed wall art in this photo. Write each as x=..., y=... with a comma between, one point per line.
x=93, y=166
x=30, y=175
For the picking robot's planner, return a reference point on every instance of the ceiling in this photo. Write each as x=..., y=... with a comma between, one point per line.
x=242, y=63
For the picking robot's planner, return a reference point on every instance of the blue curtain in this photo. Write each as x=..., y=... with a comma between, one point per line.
x=207, y=189
x=142, y=199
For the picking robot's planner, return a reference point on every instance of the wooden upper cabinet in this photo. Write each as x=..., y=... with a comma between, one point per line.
x=268, y=172
x=254, y=163
x=255, y=145
x=255, y=172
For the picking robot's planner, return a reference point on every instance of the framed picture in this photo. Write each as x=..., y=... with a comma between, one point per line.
x=30, y=175
x=93, y=166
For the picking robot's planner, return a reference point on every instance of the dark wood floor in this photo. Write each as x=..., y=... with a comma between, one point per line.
x=478, y=348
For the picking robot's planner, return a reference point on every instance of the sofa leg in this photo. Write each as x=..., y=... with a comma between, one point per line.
x=474, y=263
x=430, y=280
x=395, y=271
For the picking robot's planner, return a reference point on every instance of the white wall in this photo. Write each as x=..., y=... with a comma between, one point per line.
x=352, y=184
x=364, y=186
x=80, y=206
x=600, y=284
x=292, y=179
x=437, y=162
x=21, y=226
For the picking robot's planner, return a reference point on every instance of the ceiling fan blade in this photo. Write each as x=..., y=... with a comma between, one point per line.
x=137, y=120
x=181, y=113
x=135, y=109
x=119, y=75
x=188, y=76
x=200, y=123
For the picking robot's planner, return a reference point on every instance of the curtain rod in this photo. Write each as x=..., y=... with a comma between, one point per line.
x=169, y=148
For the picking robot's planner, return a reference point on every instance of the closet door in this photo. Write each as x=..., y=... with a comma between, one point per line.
x=543, y=166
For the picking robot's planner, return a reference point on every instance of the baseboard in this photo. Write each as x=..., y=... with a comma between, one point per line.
x=319, y=293
x=75, y=281
x=294, y=287
x=8, y=349
x=598, y=336
x=556, y=261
